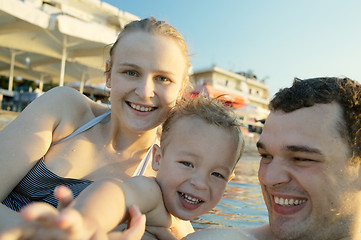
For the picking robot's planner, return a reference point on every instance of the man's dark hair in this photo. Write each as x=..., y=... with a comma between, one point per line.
x=344, y=91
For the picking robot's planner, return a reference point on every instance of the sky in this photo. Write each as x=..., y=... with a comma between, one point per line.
x=277, y=40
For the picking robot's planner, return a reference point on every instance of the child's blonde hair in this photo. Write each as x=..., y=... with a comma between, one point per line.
x=213, y=111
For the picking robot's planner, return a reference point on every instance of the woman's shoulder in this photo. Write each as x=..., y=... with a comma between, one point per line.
x=66, y=100
x=64, y=109
x=64, y=95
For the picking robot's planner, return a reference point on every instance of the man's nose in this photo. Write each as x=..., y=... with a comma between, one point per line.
x=274, y=173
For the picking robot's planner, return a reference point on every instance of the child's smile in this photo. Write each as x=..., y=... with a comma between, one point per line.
x=192, y=173
x=190, y=202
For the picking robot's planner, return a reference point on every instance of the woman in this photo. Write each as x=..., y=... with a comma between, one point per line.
x=79, y=141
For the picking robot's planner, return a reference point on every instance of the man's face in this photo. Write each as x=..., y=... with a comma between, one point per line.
x=310, y=189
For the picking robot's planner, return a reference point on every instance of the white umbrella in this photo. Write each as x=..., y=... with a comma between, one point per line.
x=57, y=40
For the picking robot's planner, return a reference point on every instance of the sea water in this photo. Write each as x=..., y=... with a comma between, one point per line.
x=242, y=204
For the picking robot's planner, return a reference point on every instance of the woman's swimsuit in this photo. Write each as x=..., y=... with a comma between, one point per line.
x=39, y=183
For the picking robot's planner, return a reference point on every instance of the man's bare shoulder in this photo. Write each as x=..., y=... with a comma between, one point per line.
x=257, y=233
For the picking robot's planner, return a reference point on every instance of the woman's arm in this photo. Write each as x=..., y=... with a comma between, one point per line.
x=28, y=137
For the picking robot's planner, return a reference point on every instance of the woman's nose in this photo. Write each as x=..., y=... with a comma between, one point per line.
x=145, y=88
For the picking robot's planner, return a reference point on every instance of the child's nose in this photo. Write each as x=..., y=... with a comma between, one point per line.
x=200, y=182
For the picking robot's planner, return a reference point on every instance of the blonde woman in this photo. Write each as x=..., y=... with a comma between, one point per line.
x=64, y=138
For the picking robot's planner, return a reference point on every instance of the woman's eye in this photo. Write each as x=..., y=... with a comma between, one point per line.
x=162, y=79
x=187, y=164
x=218, y=175
x=131, y=73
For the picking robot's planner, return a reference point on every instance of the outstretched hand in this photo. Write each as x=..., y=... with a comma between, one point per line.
x=136, y=227
x=43, y=221
x=37, y=216
x=179, y=231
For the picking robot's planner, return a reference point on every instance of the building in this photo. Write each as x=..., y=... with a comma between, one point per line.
x=247, y=86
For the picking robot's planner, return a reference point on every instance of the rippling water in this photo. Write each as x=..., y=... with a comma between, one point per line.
x=242, y=204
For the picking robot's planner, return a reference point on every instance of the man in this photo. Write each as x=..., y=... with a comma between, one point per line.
x=310, y=164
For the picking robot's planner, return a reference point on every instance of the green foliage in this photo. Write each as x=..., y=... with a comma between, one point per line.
x=23, y=83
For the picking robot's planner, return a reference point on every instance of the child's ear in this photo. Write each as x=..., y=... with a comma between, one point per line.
x=157, y=156
x=232, y=176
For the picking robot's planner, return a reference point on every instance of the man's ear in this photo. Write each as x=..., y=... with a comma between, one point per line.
x=157, y=156
x=108, y=69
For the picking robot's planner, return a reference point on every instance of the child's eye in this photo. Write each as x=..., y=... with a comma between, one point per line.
x=218, y=175
x=131, y=73
x=187, y=164
x=162, y=79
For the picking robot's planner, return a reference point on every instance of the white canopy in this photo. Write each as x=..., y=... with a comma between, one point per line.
x=59, y=41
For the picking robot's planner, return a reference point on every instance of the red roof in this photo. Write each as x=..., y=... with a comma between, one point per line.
x=228, y=98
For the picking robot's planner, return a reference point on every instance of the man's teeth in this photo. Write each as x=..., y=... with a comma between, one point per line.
x=190, y=199
x=141, y=108
x=288, y=202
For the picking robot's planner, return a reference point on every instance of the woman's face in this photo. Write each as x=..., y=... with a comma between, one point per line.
x=146, y=78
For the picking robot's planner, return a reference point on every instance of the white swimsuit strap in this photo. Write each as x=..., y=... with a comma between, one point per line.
x=85, y=127
x=144, y=163
x=146, y=160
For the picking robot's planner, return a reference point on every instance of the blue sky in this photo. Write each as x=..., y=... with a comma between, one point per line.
x=277, y=40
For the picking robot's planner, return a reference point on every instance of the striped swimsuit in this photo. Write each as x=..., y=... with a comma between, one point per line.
x=39, y=183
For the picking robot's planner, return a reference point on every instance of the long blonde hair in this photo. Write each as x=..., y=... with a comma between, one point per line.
x=151, y=25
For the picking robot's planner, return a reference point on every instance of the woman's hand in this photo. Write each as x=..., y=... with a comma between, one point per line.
x=182, y=229
x=135, y=229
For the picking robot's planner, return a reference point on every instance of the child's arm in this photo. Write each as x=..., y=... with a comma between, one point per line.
x=41, y=224
x=104, y=204
x=97, y=210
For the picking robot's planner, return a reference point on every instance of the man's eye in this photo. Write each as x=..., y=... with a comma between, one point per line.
x=218, y=175
x=303, y=159
x=162, y=79
x=265, y=158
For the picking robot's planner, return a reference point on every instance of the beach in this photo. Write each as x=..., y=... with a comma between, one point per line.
x=6, y=117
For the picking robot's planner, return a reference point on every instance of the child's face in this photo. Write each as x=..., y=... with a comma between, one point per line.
x=195, y=168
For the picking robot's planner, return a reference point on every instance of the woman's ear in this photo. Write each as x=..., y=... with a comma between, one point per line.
x=157, y=156
x=108, y=68
x=232, y=176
